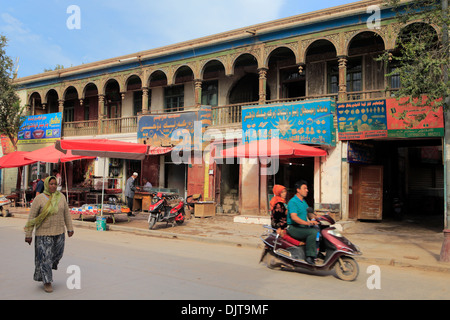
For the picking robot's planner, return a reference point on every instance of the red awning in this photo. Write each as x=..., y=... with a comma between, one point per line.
x=152, y=151
x=272, y=148
x=51, y=154
x=103, y=148
x=15, y=159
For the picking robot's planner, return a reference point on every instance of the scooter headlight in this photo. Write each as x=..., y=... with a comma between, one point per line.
x=335, y=233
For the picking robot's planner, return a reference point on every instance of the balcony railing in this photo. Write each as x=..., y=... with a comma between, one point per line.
x=119, y=125
x=107, y=126
x=80, y=128
x=221, y=115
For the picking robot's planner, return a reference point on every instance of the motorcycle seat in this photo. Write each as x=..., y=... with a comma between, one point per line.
x=288, y=238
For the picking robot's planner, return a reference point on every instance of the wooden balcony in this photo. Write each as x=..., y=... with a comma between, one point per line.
x=221, y=115
x=95, y=127
x=80, y=128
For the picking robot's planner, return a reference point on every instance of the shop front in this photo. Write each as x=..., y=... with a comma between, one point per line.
x=301, y=126
x=181, y=168
x=394, y=154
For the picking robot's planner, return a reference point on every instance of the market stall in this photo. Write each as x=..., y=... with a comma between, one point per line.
x=107, y=149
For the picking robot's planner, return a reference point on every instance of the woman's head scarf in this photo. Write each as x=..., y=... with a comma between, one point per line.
x=50, y=208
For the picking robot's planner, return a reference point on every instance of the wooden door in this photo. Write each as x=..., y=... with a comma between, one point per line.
x=196, y=178
x=370, y=193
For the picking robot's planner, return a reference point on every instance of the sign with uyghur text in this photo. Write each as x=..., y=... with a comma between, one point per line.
x=165, y=129
x=388, y=118
x=41, y=128
x=305, y=122
x=362, y=120
x=407, y=120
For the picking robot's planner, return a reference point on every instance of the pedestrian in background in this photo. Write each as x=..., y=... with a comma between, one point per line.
x=130, y=188
x=40, y=184
x=49, y=216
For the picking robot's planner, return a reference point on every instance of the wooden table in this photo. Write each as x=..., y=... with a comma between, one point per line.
x=79, y=195
x=141, y=200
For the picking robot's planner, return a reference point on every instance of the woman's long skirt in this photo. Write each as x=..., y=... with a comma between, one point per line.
x=48, y=251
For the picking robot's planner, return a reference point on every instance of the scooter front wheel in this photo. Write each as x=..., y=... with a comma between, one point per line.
x=152, y=222
x=346, y=268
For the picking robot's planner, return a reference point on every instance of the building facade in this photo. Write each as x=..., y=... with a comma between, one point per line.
x=328, y=54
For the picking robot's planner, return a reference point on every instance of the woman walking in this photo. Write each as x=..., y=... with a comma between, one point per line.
x=49, y=214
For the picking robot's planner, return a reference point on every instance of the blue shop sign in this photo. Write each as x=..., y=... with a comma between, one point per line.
x=306, y=122
x=41, y=128
x=166, y=129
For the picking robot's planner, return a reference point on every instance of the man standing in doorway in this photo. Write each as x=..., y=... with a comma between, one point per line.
x=297, y=220
x=130, y=188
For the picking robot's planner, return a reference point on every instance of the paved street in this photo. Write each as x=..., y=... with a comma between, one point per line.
x=118, y=265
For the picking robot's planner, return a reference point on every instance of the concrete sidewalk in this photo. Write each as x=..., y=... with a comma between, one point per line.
x=405, y=244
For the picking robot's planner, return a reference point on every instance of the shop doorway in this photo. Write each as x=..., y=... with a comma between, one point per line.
x=290, y=171
x=227, y=187
x=175, y=176
x=412, y=181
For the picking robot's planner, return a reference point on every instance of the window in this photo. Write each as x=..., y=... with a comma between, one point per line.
x=394, y=78
x=210, y=91
x=69, y=111
x=354, y=75
x=174, y=98
x=333, y=77
x=86, y=110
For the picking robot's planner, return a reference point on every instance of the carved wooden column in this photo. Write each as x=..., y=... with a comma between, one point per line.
x=342, y=78
x=61, y=105
x=144, y=100
x=262, y=85
x=198, y=92
x=101, y=107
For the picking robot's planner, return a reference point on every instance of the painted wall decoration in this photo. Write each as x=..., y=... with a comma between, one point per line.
x=41, y=128
x=362, y=120
x=306, y=122
x=405, y=121
x=160, y=129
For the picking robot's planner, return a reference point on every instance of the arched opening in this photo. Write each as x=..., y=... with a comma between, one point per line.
x=157, y=79
x=364, y=72
x=246, y=89
x=134, y=88
x=322, y=72
x=72, y=110
x=292, y=83
x=90, y=102
x=52, y=101
x=212, y=72
x=113, y=100
x=35, y=103
x=414, y=35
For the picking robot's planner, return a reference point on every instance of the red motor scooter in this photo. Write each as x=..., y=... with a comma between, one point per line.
x=161, y=211
x=336, y=252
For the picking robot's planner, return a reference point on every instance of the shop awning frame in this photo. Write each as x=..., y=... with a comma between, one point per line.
x=267, y=148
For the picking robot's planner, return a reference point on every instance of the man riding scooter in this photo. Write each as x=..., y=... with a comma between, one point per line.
x=298, y=224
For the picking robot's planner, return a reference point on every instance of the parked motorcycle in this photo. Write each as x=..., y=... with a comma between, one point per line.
x=336, y=252
x=161, y=211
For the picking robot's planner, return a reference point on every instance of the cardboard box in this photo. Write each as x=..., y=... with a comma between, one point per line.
x=205, y=209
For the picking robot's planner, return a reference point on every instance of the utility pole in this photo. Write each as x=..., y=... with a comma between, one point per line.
x=445, y=250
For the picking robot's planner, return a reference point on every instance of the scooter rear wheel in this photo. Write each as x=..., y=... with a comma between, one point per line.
x=346, y=269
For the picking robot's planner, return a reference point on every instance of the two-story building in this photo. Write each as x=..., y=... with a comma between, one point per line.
x=327, y=55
